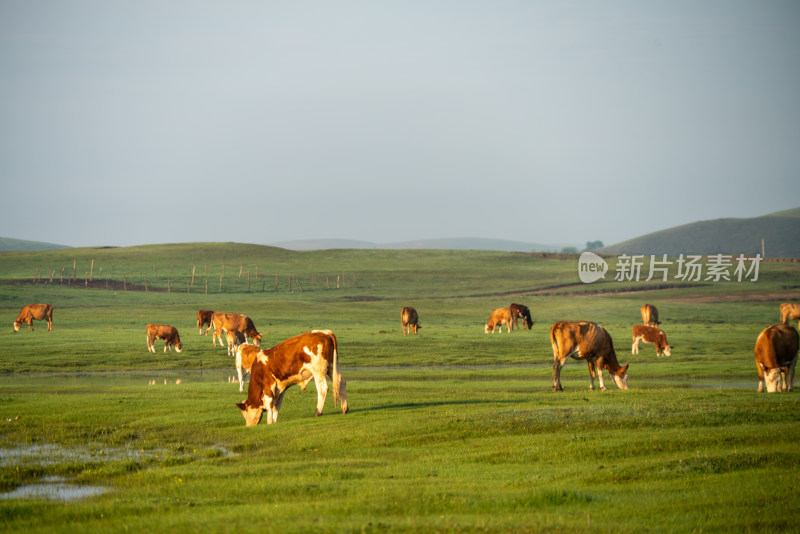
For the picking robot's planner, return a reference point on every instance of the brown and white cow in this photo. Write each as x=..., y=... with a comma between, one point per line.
x=294, y=361
x=233, y=321
x=776, y=357
x=34, y=311
x=583, y=340
x=245, y=357
x=204, y=318
x=650, y=315
x=650, y=334
x=234, y=339
x=498, y=318
x=520, y=311
x=166, y=332
x=409, y=320
x=790, y=311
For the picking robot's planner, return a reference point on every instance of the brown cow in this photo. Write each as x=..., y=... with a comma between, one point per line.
x=520, y=311
x=245, y=356
x=586, y=341
x=409, y=320
x=790, y=311
x=166, y=332
x=34, y=311
x=650, y=315
x=776, y=357
x=649, y=334
x=234, y=339
x=294, y=361
x=204, y=318
x=499, y=317
x=233, y=321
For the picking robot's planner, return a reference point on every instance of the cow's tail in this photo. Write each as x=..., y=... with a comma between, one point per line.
x=336, y=378
x=554, y=342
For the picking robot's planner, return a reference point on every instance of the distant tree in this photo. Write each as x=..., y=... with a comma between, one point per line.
x=569, y=250
x=593, y=245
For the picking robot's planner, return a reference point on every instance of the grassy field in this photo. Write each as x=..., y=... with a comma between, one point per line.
x=451, y=430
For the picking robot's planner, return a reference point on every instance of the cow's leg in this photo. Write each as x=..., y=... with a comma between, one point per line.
x=591, y=374
x=598, y=363
x=241, y=375
x=760, y=377
x=276, y=405
x=635, y=346
x=790, y=375
x=322, y=392
x=558, y=363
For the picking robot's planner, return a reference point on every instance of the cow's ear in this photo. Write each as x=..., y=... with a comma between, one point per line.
x=624, y=369
x=242, y=406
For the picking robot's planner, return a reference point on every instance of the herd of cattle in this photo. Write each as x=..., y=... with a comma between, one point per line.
x=314, y=355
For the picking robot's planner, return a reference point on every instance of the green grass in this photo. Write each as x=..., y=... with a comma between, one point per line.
x=451, y=430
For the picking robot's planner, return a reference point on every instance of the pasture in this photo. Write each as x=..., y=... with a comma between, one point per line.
x=451, y=430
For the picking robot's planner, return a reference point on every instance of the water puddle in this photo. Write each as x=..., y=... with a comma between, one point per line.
x=54, y=489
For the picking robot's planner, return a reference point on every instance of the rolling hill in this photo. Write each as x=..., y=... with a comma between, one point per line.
x=464, y=243
x=780, y=232
x=10, y=244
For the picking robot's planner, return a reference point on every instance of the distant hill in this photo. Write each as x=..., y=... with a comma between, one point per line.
x=9, y=244
x=780, y=232
x=464, y=243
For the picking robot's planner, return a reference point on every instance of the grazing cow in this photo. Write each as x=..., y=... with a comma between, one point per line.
x=245, y=356
x=34, y=311
x=586, y=341
x=650, y=334
x=166, y=332
x=233, y=321
x=520, y=311
x=234, y=339
x=204, y=318
x=409, y=320
x=650, y=315
x=499, y=317
x=790, y=311
x=294, y=361
x=776, y=357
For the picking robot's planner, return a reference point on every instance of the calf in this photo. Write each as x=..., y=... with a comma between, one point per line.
x=520, y=311
x=234, y=339
x=294, y=361
x=650, y=334
x=204, y=318
x=245, y=357
x=498, y=318
x=776, y=357
x=409, y=320
x=34, y=311
x=650, y=315
x=586, y=341
x=789, y=311
x=166, y=332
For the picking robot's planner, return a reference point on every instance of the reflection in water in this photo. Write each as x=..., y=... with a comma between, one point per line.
x=53, y=488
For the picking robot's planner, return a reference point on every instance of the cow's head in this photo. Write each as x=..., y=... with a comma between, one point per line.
x=257, y=340
x=17, y=324
x=486, y=329
x=252, y=414
x=621, y=377
x=179, y=346
x=772, y=379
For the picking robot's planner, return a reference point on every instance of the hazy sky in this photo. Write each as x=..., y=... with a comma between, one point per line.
x=137, y=122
